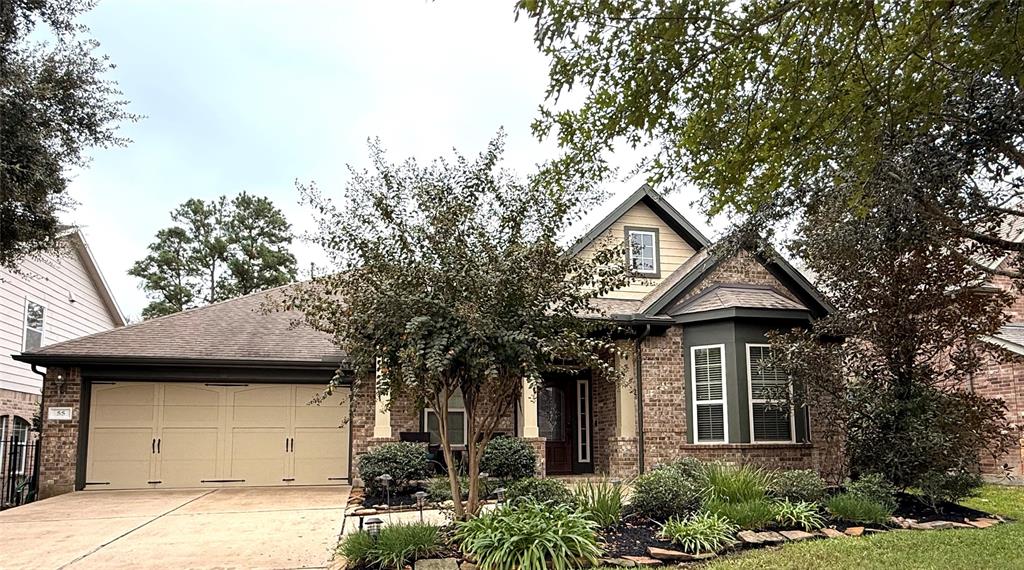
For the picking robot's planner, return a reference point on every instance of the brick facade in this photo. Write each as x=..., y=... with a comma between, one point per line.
x=1004, y=380
x=20, y=404
x=60, y=439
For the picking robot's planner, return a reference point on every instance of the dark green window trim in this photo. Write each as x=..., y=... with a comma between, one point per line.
x=657, y=250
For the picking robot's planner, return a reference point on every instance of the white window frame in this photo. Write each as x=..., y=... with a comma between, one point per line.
x=654, y=251
x=751, y=401
x=583, y=420
x=725, y=394
x=25, y=327
x=465, y=424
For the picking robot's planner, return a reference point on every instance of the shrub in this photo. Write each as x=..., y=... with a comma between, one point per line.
x=874, y=487
x=855, y=508
x=528, y=535
x=601, y=501
x=440, y=490
x=404, y=461
x=798, y=485
x=801, y=514
x=689, y=467
x=509, y=458
x=700, y=532
x=736, y=484
x=748, y=515
x=395, y=546
x=540, y=490
x=663, y=493
x=953, y=486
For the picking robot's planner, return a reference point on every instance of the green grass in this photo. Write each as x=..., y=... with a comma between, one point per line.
x=999, y=547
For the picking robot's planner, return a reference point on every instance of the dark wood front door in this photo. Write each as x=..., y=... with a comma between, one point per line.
x=553, y=419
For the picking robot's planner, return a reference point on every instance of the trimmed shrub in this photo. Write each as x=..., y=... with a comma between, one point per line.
x=601, y=501
x=664, y=493
x=698, y=533
x=509, y=458
x=540, y=489
x=404, y=461
x=689, y=467
x=937, y=487
x=736, y=484
x=798, y=485
x=395, y=546
x=874, y=487
x=440, y=490
x=856, y=508
x=528, y=535
x=802, y=515
x=748, y=515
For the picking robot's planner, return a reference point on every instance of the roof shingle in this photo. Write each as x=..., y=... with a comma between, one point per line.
x=739, y=296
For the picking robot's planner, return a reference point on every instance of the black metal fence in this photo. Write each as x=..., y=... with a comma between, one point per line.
x=19, y=468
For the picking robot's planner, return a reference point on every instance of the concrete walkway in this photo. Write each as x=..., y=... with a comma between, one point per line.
x=269, y=527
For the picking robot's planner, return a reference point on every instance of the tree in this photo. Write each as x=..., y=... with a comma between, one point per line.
x=166, y=273
x=912, y=315
x=450, y=279
x=764, y=104
x=258, y=235
x=216, y=250
x=56, y=104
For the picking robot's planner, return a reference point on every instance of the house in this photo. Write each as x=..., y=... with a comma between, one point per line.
x=48, y=300
x=217, y=396
x=1002, y=378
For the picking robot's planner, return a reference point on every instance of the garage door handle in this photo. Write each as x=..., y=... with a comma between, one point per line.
x=152, y=446
x=158, y=446
x=293, y=444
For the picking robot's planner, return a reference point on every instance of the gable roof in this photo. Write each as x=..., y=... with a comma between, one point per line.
x=731, y=296
x=234, y=330
x=77, y=239
x=659, y=206
x=1010, y=337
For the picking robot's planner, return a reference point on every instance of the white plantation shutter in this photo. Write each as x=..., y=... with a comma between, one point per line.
x=769, y=389
x=709, y=393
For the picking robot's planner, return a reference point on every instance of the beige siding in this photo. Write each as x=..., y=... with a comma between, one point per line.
x=48, y=281
x=673, y=250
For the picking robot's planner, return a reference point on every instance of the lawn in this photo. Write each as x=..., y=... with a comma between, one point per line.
x=1000, y=547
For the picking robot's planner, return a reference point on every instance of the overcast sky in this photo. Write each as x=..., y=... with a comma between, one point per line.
x=254, y=95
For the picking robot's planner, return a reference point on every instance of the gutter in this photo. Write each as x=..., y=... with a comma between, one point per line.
x=638, y=353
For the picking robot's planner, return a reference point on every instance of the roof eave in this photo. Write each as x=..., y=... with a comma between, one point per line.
x=745, y=312
x=79, y=360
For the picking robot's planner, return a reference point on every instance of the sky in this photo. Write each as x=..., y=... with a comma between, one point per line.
x=256, y=95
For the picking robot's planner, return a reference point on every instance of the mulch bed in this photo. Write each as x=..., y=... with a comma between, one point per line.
x=631, y=537
x=910, y=507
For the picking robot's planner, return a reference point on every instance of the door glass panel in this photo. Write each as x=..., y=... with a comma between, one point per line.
x=551, y=413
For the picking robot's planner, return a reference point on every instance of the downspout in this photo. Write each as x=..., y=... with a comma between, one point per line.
x=640, y=397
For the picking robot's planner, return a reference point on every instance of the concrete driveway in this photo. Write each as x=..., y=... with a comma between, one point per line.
x=269, y=527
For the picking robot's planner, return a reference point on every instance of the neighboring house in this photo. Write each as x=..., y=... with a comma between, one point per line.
x=218, y=395
x=1003, y=378
x=48, y=300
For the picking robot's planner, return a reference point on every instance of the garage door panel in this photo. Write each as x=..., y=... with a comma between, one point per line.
x=332, y=412
x=120, y=458
x=191, y=405
x=258, y=455
x=260, y=406
x=320, y=456
x=123, y=405
x=188, y=456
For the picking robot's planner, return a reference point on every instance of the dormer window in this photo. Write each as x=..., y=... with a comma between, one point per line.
x=643, y=251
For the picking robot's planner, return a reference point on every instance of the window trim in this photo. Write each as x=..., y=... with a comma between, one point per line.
x=656, y=237
x=25, y=327
x=725, y=394
x=583, y=421
x=751, y=402
x=465, y=424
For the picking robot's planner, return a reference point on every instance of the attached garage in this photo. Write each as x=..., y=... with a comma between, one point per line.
x=212, y=397
x=186, y=434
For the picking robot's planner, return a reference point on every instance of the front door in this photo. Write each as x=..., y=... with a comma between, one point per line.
x=564, y=420
x=553, y=423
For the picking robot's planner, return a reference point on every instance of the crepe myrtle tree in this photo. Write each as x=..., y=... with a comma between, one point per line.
x=451, y=278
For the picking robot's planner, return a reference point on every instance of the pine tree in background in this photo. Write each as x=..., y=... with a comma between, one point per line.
x=216, y=250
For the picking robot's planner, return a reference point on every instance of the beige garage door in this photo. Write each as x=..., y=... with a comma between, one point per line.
x=178, y=434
